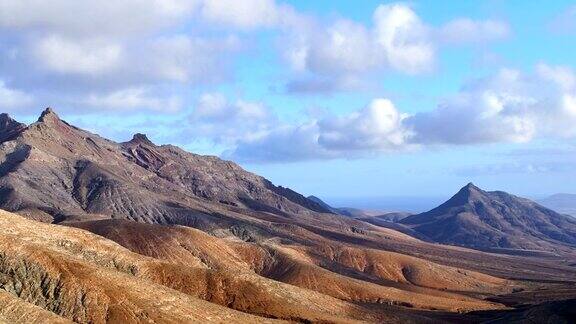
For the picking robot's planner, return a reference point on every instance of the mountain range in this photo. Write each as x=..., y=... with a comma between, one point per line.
x=98, y=231
x=55, y=172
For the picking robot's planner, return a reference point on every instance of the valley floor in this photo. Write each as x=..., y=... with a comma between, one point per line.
x=123, y=271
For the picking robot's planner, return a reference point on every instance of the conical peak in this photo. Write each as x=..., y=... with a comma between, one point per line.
x=469, y=189
x=140, y=138
x=48, y=115
x=470, y=186
x=465, y=195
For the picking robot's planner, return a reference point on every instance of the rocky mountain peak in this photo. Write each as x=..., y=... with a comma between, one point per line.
x=7, y=122
x=4, y=117
x=470, y=188
x=48, y=116
x=9, y=127
x=140, y=138
x=494, y=219
x=466, y=194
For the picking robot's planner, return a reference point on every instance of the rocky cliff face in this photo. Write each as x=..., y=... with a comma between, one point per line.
x=53, y=171
x=476, y=218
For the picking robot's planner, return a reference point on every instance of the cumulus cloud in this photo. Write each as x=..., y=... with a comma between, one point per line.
x=507, y=107
x=373, y=129
x=108, y=52
x=245, y=14
x=62, y=55
x=491, y=110
x=510, y=106
x=376, y=127
x=397, y=40
x=404, y=38
x=11, y=99
x=286, y=143
x=132, y=99
x=226, y=121
x=86, y=17
x=324, y=85
x=186, y=59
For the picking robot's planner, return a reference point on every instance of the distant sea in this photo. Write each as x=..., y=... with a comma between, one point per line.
x=388, y=204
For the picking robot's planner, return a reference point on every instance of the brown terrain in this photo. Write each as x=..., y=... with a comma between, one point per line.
x=98, y=231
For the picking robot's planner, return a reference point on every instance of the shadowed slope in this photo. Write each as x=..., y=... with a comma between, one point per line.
x=327, y=267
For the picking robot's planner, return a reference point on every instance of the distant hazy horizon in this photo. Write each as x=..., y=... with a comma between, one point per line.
x=387, y=204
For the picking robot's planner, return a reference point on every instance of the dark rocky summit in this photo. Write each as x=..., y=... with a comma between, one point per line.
x=480, y=219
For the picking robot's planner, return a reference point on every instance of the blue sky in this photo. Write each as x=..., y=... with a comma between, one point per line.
x=332, y=98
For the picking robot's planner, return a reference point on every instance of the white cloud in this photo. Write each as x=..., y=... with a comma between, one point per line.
x=246, y=14
x=324, y=84
x=11, y=99
x=86, y=17
x=563, y=76
x=85, y=47
x=62, y=55
x=398, y=40
x=186, y=59
x=131, y=99
x=466, y=30
x=279, y=145
x=376, y=128
x=344, y=47
x=109, y=51
x=216, y=107
x=227, y=121
x=508, y=107
x=404, y=38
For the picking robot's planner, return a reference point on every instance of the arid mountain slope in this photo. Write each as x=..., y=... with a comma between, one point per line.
x=345, y=272
x=184, y=275
x=480, y=219
x=85, y=278
x=55, y=172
